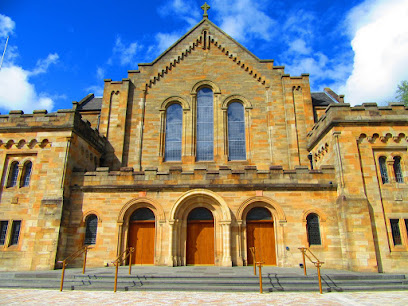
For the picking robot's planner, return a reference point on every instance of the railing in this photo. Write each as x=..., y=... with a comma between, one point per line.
x=126, y=253
x=71, y=257
x=259, y=264
x=313, y=260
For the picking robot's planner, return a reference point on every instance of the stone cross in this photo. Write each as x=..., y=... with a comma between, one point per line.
x=205, y=7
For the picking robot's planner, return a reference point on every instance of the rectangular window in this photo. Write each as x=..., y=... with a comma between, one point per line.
x=15, y=232
x=395, y=230
x=3, y=231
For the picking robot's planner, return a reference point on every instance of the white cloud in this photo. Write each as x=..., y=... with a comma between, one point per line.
x=16, y=92
x=126, y=54
x=298, y=46
x=43, y=64
x=7, y=26
x=186, y=10
x=165, y=40
x=100, y=73
x=96, y=90
x=380, y=44
x=244, y=19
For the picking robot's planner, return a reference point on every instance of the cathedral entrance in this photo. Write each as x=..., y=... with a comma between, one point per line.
x=200, y=237
x=141, y=236
x=261, y=235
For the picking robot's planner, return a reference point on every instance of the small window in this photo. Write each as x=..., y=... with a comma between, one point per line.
x=26, y=174
x=174, y=127
x=383, y=170
x=236, y=132
x=12, y=180
x=313, y=229
x=395, y=230
x=91, y=229
x=200, y=213
x=15, y=232
x=398, y=170
x=258, y=214
x=3, y=232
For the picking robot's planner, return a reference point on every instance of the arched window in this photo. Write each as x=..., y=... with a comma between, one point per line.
x=383, y=169
x=142, y=214
x=174, y=126
x=398, y=170
x=13, y=175
x=200, y=213
x=205, y=125
x=236, y=132
x=313, y=229
x=91, y=229
x=25, y=179
x=258, y=213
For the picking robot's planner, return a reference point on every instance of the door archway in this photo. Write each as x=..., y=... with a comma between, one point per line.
x=141, y=235
x=261, y=235
x=200, y=237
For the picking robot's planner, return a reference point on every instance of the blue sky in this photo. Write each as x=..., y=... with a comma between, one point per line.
x=59, y=51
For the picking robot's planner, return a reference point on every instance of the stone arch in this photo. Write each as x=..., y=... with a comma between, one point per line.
x=232, y=98
x=275, y=209
x=175, y=99
x=134, y=204
x=87, y=213
x=178, y=226
x=216, y=89
x=184, y=204
x=322, y=216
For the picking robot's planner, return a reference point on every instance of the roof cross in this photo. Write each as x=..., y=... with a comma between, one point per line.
x=205, y=7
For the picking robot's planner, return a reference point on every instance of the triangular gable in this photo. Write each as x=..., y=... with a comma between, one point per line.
x=241, y=56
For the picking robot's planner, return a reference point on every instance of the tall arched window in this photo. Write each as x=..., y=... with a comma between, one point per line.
x=174, y=126
x=398, y=170
x=25, y=179
x=91, y=229
x=13, y=175
x=205, y=125
x=236, y=132
x=313, y=229
x=383, y=170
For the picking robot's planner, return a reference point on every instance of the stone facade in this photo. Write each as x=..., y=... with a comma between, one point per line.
x=306, y=154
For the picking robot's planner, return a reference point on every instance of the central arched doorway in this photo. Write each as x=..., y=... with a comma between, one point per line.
x=261, y=235
x=141, y=235
x=200, y=237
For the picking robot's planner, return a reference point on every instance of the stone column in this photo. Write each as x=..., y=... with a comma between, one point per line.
x=226, y=235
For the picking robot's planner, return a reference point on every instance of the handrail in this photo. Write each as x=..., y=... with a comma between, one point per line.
x=128, y=253
x=314, y=261
x=70, y=258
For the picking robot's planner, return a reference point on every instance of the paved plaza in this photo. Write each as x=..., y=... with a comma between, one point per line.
x=46, y=297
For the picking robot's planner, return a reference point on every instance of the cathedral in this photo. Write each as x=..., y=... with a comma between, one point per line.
x=199, y=156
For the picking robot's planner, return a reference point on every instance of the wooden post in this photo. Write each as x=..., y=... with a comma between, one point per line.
x=116, y=276
x=85, y=252
x=318, y=264
x=260, y=277
x=62, y=275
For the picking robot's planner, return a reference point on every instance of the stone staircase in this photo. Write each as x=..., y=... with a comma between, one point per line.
x=211, y=279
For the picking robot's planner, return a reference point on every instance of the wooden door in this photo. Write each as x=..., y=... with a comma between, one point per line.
x=141, y=237
x=261, y=235
x=200, y=242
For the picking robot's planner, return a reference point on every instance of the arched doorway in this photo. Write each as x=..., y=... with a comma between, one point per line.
x=141, y=235
x=261, y=235
x=200, y=237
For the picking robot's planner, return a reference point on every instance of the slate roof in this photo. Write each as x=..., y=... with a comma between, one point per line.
x=90, y=103
x=322, y=99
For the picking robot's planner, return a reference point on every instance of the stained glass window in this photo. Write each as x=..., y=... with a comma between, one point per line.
x=205, y=125
x=15, y=232
x=398, y=170
x=12, y=181
x=91, y=229
x=3, y=231
x=142, y=214
x=383, y=170
x=395, y=230
x=27, y=174
x=259, y=213
x=236, y=132
x=313, y=229
x=174, y=126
